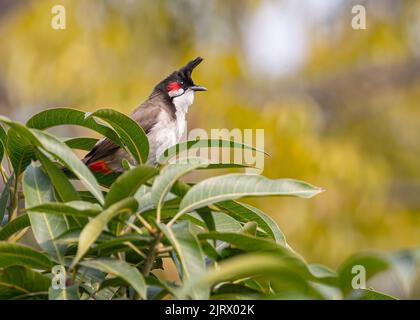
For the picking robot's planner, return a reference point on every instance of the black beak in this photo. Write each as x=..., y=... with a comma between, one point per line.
x=198, y=88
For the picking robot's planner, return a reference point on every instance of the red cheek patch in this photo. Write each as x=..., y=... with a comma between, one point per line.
x=173, y=86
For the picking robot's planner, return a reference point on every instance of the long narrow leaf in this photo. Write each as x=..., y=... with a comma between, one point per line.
x=95, y=226
x=243, y=266
x=166, y=156
x=17, y=224
x=81, y=143
x=4, y=198
x=3, y=142
x=67, y=293
x=16, y=254
x=128, y=183
x=38, y=189
x=73, y=208
x=234, y=186
x=245, y=242
x=72, y=162
x=60, y=181
x=130, y=132
x=20, y=151
x=190, y=255
x=66, y=116
x=61, y=151
x=122, y=270
x=18, y=282
x=244, y=213
x=169, y=175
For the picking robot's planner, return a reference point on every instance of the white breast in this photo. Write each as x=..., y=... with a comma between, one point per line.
x=167, y=131
x=181, y=104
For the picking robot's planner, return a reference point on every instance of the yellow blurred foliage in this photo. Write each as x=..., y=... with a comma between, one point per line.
x=348, y=121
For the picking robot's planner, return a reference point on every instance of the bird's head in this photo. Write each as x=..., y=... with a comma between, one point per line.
x=180, y=81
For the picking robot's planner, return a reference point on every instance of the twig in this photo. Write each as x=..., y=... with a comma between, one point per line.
x=3, y=174
x=165, y=249
x=132, y=246
x=145, y=223
x=19, y=235
x=15, y=199
x=133, y=226
x=151, y=255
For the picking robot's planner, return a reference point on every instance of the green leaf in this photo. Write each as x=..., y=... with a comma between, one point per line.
x=231, y=288
x=4, y=198
x=372, y=264
x=234, y=186
x=14, y=226
x=144, y=198
x=61, y=151
x=71, y=161
x=122, y=270
x=202, y=144
x=242, y=266
x=95, y=226
x=3, y=142
x=321, y=271
x=222, y=221
x=18, y=282
x=228, y=165
x=66, y=116
x=69, y=237
x=370, y=294
x=73, y=208
x=17, y=254
x=20, y=151
x=38, y=189
x=106, y=180
x=248, y=243
x=244, y=213
x=134, y=238
x=69, y=293
x=112, y=282
x=128, y=183
x=86, y=144
x=64, y=188
x=190, y=255
x=245, y=242
x=130, y=132
x=169, y=175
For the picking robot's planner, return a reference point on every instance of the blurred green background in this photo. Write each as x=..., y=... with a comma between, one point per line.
x=340, y=107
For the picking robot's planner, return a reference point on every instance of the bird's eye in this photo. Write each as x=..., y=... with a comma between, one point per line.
x=182, y=83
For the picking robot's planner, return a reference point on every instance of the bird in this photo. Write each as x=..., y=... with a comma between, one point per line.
x=162, y=117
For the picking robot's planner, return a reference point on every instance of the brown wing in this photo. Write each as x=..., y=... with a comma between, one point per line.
x=146, y=115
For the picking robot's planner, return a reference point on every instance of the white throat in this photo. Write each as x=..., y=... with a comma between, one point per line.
x=181, y=105
x=183, y=102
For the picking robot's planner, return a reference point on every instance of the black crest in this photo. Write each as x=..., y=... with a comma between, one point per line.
x=189, y=67
x=182, y=75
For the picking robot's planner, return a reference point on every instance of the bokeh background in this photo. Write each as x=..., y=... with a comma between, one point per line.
x=340, y=107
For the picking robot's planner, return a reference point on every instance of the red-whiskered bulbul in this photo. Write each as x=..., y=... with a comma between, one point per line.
x=162, y=117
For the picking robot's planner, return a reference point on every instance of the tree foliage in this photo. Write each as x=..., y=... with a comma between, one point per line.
x=108, y=237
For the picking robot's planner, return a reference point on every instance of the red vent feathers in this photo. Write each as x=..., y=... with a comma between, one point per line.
x=100, y=166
